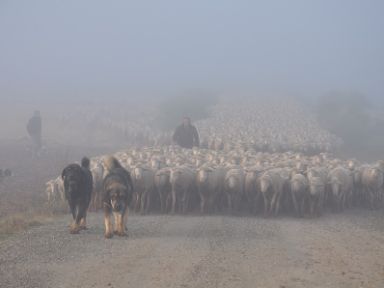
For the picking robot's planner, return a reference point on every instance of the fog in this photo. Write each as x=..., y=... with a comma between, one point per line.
x=286, y=104
x=150, y=62
x=91, y=48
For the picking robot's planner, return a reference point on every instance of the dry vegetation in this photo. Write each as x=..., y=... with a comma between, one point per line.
x=22, y=198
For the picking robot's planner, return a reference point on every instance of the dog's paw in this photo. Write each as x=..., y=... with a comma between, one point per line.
x=108, y=235
x=74, y=230
x=83, y=228
x=122, y=234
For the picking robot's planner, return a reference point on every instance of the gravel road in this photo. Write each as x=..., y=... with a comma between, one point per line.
x=344, y=250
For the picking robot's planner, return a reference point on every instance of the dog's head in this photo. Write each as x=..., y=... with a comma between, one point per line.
x=118, y=195
x=72, y=177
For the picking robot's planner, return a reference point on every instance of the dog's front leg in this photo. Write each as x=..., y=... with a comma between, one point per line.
x=72, y=206
x=108, y=223
x=75, y=227
x=83, y=223
x=83, y=217
x=116, y=216
x=123, y=220
x=120, y=223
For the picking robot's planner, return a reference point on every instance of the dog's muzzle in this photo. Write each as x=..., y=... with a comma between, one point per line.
x=117, y=207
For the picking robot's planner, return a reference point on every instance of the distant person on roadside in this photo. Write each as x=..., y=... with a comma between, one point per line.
x=186, y=134
x=34, y=131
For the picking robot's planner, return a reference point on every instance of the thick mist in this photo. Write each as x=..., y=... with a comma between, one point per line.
x=107, y=64
x=63, y=49
x=264, y=117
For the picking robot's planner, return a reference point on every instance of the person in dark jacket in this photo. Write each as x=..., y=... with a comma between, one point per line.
x=186, y=134
x=34, y=130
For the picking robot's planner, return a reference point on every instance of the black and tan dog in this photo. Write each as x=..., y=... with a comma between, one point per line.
x=78, y=191
x=117, y=196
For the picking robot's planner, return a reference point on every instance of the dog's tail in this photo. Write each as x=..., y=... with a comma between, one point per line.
x=85, y=162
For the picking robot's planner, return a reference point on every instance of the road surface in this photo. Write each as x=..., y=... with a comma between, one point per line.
x=336, y=250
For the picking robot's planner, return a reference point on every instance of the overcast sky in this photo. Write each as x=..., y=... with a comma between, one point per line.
x=91, y=45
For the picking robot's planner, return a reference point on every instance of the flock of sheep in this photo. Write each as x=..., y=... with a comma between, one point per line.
x=266, y=157
x=270, y=125
x=273, y=125
x=170, y=179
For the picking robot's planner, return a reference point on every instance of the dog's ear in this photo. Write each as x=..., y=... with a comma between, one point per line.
x=63, y=174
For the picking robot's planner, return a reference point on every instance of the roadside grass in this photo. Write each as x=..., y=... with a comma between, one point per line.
x=18, y=221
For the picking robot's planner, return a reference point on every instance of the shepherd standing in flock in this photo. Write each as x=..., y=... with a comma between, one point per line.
x=186, y=135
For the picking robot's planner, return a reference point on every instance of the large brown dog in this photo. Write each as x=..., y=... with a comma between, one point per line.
x=117, y=196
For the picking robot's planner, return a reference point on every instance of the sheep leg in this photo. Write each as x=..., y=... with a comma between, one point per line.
x=257, y=203
x=202, y=205
x=148, y=202
x=370, y=198
x=302, y=207
x=340, y=203
x=185, y=202
x=142, y=202
x=179, y=203
x=229, y=202
x=139, y=197
x=167, y=202
x=162, y=204
x=312, y=207
x=210, y=205
x=273, y=203
x=277, y=204
x=173, y=209
x=202, y=201
x=266, y=205
x=295, y=204
x=343, y=201
x=320, y=204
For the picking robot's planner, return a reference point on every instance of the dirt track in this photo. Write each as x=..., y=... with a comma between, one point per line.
x=345, y=250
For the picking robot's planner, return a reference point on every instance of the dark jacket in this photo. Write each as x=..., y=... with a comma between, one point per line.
x=186, y=136
x=34, y=126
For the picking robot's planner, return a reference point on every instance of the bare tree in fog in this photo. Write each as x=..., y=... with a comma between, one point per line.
x=350, y=116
